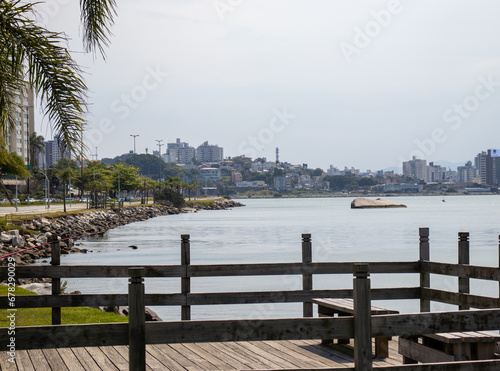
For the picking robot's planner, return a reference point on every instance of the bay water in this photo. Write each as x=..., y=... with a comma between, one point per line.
x=269, y=231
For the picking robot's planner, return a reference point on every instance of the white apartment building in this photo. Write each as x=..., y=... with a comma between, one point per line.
x=183, y=155
x=18, y=136
x=436, y=173
x=54, y=152
x=416, y=168
x=209, y=153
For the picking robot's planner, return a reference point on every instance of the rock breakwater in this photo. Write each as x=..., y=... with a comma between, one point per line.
x=69, y=228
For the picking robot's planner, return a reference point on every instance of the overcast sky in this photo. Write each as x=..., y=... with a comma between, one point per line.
x=350, y=83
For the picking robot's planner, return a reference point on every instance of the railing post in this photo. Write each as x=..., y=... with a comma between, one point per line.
x=136, y=320
x=425, y=277
x=362, y=318
x=307, y=283
x=185, y=281
x=55, y=254
x=463, y=258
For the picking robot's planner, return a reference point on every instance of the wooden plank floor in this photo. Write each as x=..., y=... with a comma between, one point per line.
x=248, y=355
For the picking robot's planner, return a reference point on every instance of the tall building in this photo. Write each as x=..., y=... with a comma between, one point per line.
x=54, y=152
x=209, y=153
x=488, y=167
x=184, y=155
x=18, y=136
x=177, y=144
x=480, y=164
x=466, y=173
x=436, y=173
x=415, y=168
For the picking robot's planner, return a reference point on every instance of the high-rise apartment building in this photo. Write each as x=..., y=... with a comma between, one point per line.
x=177, y=144
x=435, y=173
x=54, y=152
x=480, y=164
x=184, y=155
x=488, y=166
x=466, y=173
x=18, y=136
x=415, y=168
x=209, y=153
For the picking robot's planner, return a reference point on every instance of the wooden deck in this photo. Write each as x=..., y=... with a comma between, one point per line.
x=247, y=355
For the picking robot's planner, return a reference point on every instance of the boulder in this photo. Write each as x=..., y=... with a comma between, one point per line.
x=39, y=288
x=18, y=241
x=368, y=203
x=6, y=238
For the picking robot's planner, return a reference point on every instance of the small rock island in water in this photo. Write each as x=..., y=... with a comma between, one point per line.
x=367, y=203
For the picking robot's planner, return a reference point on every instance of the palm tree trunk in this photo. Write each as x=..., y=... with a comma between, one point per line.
x=64, y=195
x=7, y=194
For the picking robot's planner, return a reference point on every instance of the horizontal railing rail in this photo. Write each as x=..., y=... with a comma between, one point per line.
x=210, y=270
x=461, y=270
x=209, y=298
x=456, y=298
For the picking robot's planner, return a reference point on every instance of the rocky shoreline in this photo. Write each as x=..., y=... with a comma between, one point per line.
x=71, y=227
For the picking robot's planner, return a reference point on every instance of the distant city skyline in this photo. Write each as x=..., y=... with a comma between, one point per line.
x=364, y=84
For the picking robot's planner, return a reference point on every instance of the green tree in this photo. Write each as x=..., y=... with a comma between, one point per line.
x=97, y=180
x=317, y=172
x=126, y=175
x=191, y=188
x=146, y=185
x=170, y=191
x=11, y=164
x=36, y=145
x=65, y=172
x=32, y=55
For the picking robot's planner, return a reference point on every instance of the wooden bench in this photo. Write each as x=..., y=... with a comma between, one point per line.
x=449, y=347
x=345, y=307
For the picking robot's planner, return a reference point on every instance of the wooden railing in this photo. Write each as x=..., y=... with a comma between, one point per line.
x=137, y=332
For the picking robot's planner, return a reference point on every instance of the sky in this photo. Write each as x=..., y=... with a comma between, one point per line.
x=367, y=84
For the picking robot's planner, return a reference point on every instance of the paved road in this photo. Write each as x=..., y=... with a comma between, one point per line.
x=36, y=209
x=39, y=209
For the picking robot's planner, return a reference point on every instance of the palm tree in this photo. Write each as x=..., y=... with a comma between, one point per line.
x=31, y=54
x=11, y=163
x=65, y=175
x=36, y=146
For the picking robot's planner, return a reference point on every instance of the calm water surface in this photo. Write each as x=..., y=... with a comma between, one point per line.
x=269, y=230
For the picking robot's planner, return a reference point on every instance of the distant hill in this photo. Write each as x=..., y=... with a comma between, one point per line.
x=149, y=165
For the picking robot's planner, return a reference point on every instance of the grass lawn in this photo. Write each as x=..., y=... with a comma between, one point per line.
x=43, y=316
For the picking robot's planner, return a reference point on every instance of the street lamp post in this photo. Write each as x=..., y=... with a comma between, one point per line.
x=47, y=191
x=134, y=135
x=27, y=116
x=159, y=156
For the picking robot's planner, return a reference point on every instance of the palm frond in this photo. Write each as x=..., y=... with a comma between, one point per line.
x=11, y=70
x=97, y=17
x=55, y=76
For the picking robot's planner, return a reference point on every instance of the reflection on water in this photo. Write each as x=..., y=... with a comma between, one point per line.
x=270, y=231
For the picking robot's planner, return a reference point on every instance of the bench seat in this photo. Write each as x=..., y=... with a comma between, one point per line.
x=450, y=346
x=328, y=307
